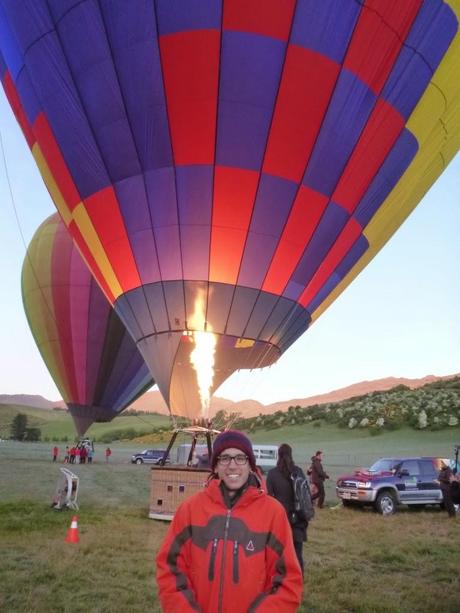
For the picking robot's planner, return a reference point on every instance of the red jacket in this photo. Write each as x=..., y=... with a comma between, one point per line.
x=220, y=560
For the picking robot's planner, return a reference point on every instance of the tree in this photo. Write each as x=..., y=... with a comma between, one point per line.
x=19, y=427
x=33, y=434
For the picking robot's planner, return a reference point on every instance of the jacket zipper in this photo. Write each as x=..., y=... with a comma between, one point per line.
x=222, y=567
x=236, y=574
x=212, y=560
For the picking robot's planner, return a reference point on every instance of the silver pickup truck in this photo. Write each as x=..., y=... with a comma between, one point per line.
x=390, y=482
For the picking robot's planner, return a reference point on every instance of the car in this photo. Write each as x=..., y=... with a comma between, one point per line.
x=266, y=456
x=390, y=482
x=149, y=456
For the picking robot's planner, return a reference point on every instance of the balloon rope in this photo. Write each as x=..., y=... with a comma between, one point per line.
x=10, y=189
x=13, y=204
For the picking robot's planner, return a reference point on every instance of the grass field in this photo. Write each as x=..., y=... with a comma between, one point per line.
x=59, y=424
x=356, y=560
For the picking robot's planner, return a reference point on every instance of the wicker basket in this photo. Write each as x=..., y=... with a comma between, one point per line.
x=170, y=486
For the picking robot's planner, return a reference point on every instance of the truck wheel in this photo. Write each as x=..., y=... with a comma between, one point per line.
x=139, y=461
x=385, y=503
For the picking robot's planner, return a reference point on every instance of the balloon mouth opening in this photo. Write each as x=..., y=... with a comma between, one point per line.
x=85, y=415
x=225, y=326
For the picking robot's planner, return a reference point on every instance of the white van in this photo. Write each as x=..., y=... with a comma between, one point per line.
x=183, y=451
x=266, y=456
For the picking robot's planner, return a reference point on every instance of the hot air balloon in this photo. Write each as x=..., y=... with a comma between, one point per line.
x=228, y=167
x=91, y=357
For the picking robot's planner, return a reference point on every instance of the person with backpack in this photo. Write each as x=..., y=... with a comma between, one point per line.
x=288, y=484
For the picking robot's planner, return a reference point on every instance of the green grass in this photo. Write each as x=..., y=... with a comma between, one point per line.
x=111, y=569
x=356, y=560
x=56, y=425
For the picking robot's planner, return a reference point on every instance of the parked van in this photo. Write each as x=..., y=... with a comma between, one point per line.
x=183, y=451
x=266, y=456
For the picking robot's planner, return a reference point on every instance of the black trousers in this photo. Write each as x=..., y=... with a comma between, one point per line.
x=298, y=546
x=321, y=494
x=447, y=499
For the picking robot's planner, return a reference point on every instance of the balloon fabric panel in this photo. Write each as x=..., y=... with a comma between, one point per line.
x=190, y=72
x=60, y=265
x=234, y=192
x=377, y=40
x=307, y=83
x=304, y=217
x=244, y=16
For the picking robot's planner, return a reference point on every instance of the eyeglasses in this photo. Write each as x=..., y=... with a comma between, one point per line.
x=239, y=459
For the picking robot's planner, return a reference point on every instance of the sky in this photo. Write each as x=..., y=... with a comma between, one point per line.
x=400, y=317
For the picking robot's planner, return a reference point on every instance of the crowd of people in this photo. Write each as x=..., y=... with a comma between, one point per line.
x=80, y=453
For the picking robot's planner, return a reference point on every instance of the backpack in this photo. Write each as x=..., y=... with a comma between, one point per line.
x=303, y=505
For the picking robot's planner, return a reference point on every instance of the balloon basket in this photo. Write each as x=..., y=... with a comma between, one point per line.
x=172, y=484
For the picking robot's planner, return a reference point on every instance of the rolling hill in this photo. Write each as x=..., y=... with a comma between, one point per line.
x=152, y=401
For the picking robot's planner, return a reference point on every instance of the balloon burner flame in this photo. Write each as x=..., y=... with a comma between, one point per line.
x=202, y=356
x=202, y=359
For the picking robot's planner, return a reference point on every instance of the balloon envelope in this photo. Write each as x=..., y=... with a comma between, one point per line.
x=231, y=166
x=89, y=353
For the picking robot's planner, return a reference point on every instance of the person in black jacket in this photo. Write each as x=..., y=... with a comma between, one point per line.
x=318, y=477
x=446, y=477
x=279, y=485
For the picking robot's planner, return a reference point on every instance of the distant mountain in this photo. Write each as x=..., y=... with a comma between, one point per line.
x=29, y=400
x=153, y=402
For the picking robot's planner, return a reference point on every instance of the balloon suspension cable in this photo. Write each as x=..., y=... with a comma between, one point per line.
x=18, y=223
x=10, y=189
x=142, y=419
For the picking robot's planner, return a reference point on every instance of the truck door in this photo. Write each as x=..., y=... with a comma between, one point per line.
x=408, y=481
x=428, y=484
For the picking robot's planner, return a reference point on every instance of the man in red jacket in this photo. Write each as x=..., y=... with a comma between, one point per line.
x=229, y=547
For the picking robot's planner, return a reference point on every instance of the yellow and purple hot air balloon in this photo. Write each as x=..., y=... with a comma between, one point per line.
x=227, y=167
x=90, y=355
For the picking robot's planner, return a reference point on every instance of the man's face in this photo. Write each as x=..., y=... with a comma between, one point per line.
x=233, y=475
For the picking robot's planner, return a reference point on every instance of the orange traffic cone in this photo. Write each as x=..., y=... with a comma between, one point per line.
x=72, y=532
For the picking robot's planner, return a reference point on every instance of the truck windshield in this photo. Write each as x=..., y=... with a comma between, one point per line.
x=385, y=464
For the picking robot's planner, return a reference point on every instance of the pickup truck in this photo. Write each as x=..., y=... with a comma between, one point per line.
x=149, y=456
x=390, y=482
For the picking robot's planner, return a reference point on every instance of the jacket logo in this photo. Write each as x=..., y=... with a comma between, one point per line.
x=250, y=546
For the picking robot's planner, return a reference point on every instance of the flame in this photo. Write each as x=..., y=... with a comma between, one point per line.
x=202, y=356
x=202, y=359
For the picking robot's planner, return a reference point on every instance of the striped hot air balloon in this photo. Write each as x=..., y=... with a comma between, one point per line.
x=230, y=166
x=90, y=355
